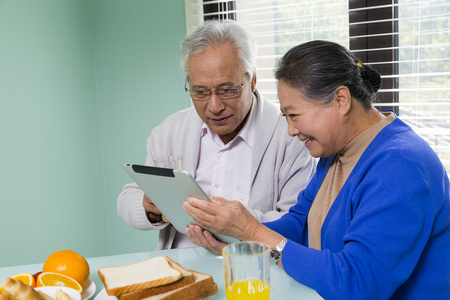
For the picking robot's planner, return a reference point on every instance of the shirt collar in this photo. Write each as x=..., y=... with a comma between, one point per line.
x=246, y=133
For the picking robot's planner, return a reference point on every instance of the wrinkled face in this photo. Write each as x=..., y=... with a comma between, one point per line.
x=217, y=68
x=319, y=127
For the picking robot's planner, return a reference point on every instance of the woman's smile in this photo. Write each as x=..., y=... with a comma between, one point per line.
x=308, y=141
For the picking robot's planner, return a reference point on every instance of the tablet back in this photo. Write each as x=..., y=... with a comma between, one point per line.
x=168, y=189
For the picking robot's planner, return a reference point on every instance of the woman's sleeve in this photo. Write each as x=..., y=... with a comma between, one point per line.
x=392, y=222
x=291, y=225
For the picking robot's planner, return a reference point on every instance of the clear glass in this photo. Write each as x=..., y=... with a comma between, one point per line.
x=247, y=271
x=170, y=162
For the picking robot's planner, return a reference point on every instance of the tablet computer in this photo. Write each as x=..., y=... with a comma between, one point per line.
x=168, y=189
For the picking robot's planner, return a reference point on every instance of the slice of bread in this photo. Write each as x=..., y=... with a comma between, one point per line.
x=203, y=287
x=188, y=278
x=148, y=273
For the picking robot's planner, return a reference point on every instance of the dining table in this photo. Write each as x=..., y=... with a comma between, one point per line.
x=282, y=286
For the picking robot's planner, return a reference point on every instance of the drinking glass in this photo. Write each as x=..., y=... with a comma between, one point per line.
x=170, y=162
x=246, y=266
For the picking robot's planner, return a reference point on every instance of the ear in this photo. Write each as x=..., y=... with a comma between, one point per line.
x=253, y=82
x=343, y=99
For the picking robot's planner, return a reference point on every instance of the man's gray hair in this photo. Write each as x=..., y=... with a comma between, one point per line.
x=215, y=32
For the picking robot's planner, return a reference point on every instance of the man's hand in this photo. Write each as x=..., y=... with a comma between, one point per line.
x=205, y=239
x=149, y=206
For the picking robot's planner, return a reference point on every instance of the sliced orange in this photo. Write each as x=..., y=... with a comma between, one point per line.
x=26, y=278
x=70, y=263
x=56, y=279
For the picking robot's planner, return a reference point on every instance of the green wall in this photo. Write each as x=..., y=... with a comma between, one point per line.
x=140, y=83
x=82, y=83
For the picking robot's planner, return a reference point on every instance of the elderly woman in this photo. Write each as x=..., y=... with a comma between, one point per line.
x=374, y=221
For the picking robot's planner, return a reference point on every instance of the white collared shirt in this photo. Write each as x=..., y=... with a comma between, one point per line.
x=224, y=169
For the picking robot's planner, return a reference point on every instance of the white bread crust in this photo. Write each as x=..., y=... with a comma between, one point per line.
x=128, y=278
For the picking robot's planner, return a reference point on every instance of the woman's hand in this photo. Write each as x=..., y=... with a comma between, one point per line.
x=221, y=216
x=205, y=239
x=225, y=217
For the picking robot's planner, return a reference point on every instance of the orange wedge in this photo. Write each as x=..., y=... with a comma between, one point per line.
x=26, y=278
x=55, y=279
x=70, y=263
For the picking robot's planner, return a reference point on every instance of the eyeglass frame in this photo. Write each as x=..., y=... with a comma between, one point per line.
x=213, y=92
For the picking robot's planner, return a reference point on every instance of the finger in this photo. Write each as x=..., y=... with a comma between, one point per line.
x=206, y=240
x=214, y=218
x=207, y=207
x=190, y=232
x=215, y=244
x=204, y=218
x=147, y=199
x=156, y=210
x=220, y=201
x=147, y=206
x=201, y=204
x=150, y=207
x=196, y=234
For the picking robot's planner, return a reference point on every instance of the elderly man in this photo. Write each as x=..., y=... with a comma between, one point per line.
x=233, y=141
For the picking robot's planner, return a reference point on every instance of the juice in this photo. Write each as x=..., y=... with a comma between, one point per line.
x=248, y=290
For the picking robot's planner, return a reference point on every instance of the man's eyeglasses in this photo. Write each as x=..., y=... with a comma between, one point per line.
x=223, y=93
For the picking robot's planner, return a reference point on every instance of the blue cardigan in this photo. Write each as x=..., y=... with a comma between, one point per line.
x=387, y=235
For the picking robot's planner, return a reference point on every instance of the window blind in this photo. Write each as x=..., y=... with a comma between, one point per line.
x=407, y=41
x=279, y=25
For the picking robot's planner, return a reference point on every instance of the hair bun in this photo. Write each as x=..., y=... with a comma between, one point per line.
x=371, y=78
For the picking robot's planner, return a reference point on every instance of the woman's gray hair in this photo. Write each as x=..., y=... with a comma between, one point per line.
x=215, y=32
x=317, y=68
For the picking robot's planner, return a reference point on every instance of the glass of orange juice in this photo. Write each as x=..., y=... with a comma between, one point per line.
x=246, y=266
